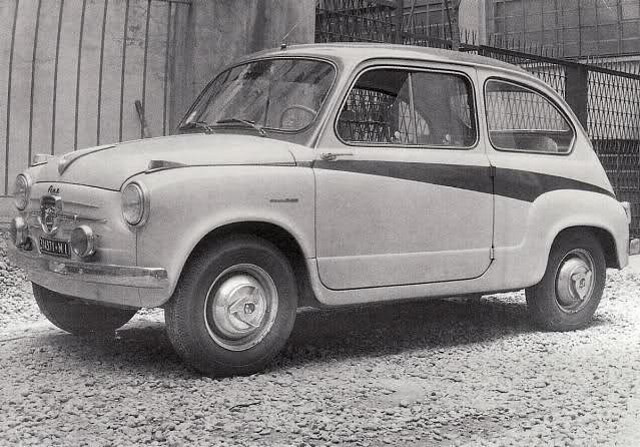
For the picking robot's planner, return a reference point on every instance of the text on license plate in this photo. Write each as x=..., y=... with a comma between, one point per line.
x=55, y=248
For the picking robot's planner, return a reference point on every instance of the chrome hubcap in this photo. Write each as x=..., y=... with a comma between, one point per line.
x=240, y=307
x=575, y=281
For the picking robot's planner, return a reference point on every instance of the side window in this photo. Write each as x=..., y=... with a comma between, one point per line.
x=408, y=108
x=446, y=102
x=521, y=119
x=377, y=109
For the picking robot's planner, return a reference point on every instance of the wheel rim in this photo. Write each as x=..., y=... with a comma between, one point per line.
x=240, y=307
x=575, y=280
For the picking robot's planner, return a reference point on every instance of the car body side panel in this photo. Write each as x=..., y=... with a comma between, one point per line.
x=189, y=203
x=516, y=266
x=380, y=230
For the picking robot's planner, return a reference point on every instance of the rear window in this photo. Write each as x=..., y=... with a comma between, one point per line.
x=522, y=119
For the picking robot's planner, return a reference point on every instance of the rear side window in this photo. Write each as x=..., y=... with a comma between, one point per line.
x=401, y=107
x=521, y=119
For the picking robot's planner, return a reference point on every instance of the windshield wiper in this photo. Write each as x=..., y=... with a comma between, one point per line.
x=201, y=125
x=257, y=127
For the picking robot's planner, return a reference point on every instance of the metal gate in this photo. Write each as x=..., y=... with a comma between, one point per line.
x=604, y=93
x=71, y=72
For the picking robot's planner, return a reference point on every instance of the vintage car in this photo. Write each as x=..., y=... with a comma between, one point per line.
x=325, y=175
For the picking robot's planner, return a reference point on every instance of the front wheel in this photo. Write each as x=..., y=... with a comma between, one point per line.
x=234, y=306
x=572, y=286
x=78, y=317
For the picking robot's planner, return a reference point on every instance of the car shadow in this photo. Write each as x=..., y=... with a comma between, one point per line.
x=384, y=329
x=319, y=335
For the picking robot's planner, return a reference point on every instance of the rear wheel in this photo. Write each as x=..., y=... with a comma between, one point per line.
x=79, y=317
x=234, y=307
x=572, y=286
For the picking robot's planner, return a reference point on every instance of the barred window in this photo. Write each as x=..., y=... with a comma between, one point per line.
x=522, y=119
x=390, y=106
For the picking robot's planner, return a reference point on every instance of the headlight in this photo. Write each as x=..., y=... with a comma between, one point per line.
x=21, y=191
x=135, y=203
x=82, y=241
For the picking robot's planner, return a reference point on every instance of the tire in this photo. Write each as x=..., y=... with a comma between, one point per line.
x=234, y=307
x=567, y=296
x=79, y=317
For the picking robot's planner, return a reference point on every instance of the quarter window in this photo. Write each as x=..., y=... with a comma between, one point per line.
x=390, y=106
x=522, y=119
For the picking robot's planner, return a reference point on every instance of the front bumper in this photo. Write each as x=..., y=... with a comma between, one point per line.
x=115, y=284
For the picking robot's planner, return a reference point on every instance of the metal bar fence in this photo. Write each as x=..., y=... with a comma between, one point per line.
x=68, y=106
x=604, y=93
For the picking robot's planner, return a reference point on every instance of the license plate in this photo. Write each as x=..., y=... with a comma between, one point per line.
x=55, y=248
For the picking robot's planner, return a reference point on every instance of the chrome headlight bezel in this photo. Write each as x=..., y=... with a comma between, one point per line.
x=24, y=183
x=85, y=234
x=135, y=202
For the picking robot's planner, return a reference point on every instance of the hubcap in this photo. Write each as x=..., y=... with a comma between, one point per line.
x=575, y=281
x=240, y=307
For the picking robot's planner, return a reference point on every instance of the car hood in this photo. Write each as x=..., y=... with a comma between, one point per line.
x=110, y=166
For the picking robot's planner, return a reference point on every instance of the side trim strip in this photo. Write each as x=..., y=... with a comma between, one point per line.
x=512, y=183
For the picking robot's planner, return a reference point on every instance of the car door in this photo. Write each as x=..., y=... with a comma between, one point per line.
x=403, y=186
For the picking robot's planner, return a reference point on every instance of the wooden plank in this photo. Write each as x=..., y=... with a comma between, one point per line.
x=21, y=89
x=89, y=75
x=111, y=72
x=7, y=9
x=66, y=85
x=154, y=97
x=43, y=78
x=181, y=67
x=133, y=69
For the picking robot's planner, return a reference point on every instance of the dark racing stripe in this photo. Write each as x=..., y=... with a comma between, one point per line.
x=512, y=183
x=528, y=186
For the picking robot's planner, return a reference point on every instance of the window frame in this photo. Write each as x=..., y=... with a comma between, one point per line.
x=551, y=101
x=410, y=68
x=316, y=121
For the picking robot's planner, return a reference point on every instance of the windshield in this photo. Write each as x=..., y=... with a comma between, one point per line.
x=276, y=94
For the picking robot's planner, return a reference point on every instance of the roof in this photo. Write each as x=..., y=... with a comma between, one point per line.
x=355, y=52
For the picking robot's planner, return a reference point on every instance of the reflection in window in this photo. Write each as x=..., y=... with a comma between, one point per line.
x=381, y=108
x=283, y=94
x=522, y=119
x=447, y=102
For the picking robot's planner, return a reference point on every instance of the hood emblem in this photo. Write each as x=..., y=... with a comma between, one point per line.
x=50, y=213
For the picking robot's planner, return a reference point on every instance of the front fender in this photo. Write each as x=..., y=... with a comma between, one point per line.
x=186, y=204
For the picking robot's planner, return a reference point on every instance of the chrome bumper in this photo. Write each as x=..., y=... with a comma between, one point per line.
x=634, y=247
x=103, y=274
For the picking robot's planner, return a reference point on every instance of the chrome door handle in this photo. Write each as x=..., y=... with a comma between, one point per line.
x=331, y=156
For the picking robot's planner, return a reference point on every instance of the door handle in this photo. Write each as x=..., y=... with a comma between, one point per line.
x=332, y=156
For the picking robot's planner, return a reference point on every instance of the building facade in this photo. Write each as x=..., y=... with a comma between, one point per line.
x=572, y=28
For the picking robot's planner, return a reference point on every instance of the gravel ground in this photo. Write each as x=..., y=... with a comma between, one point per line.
x=442, y=372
